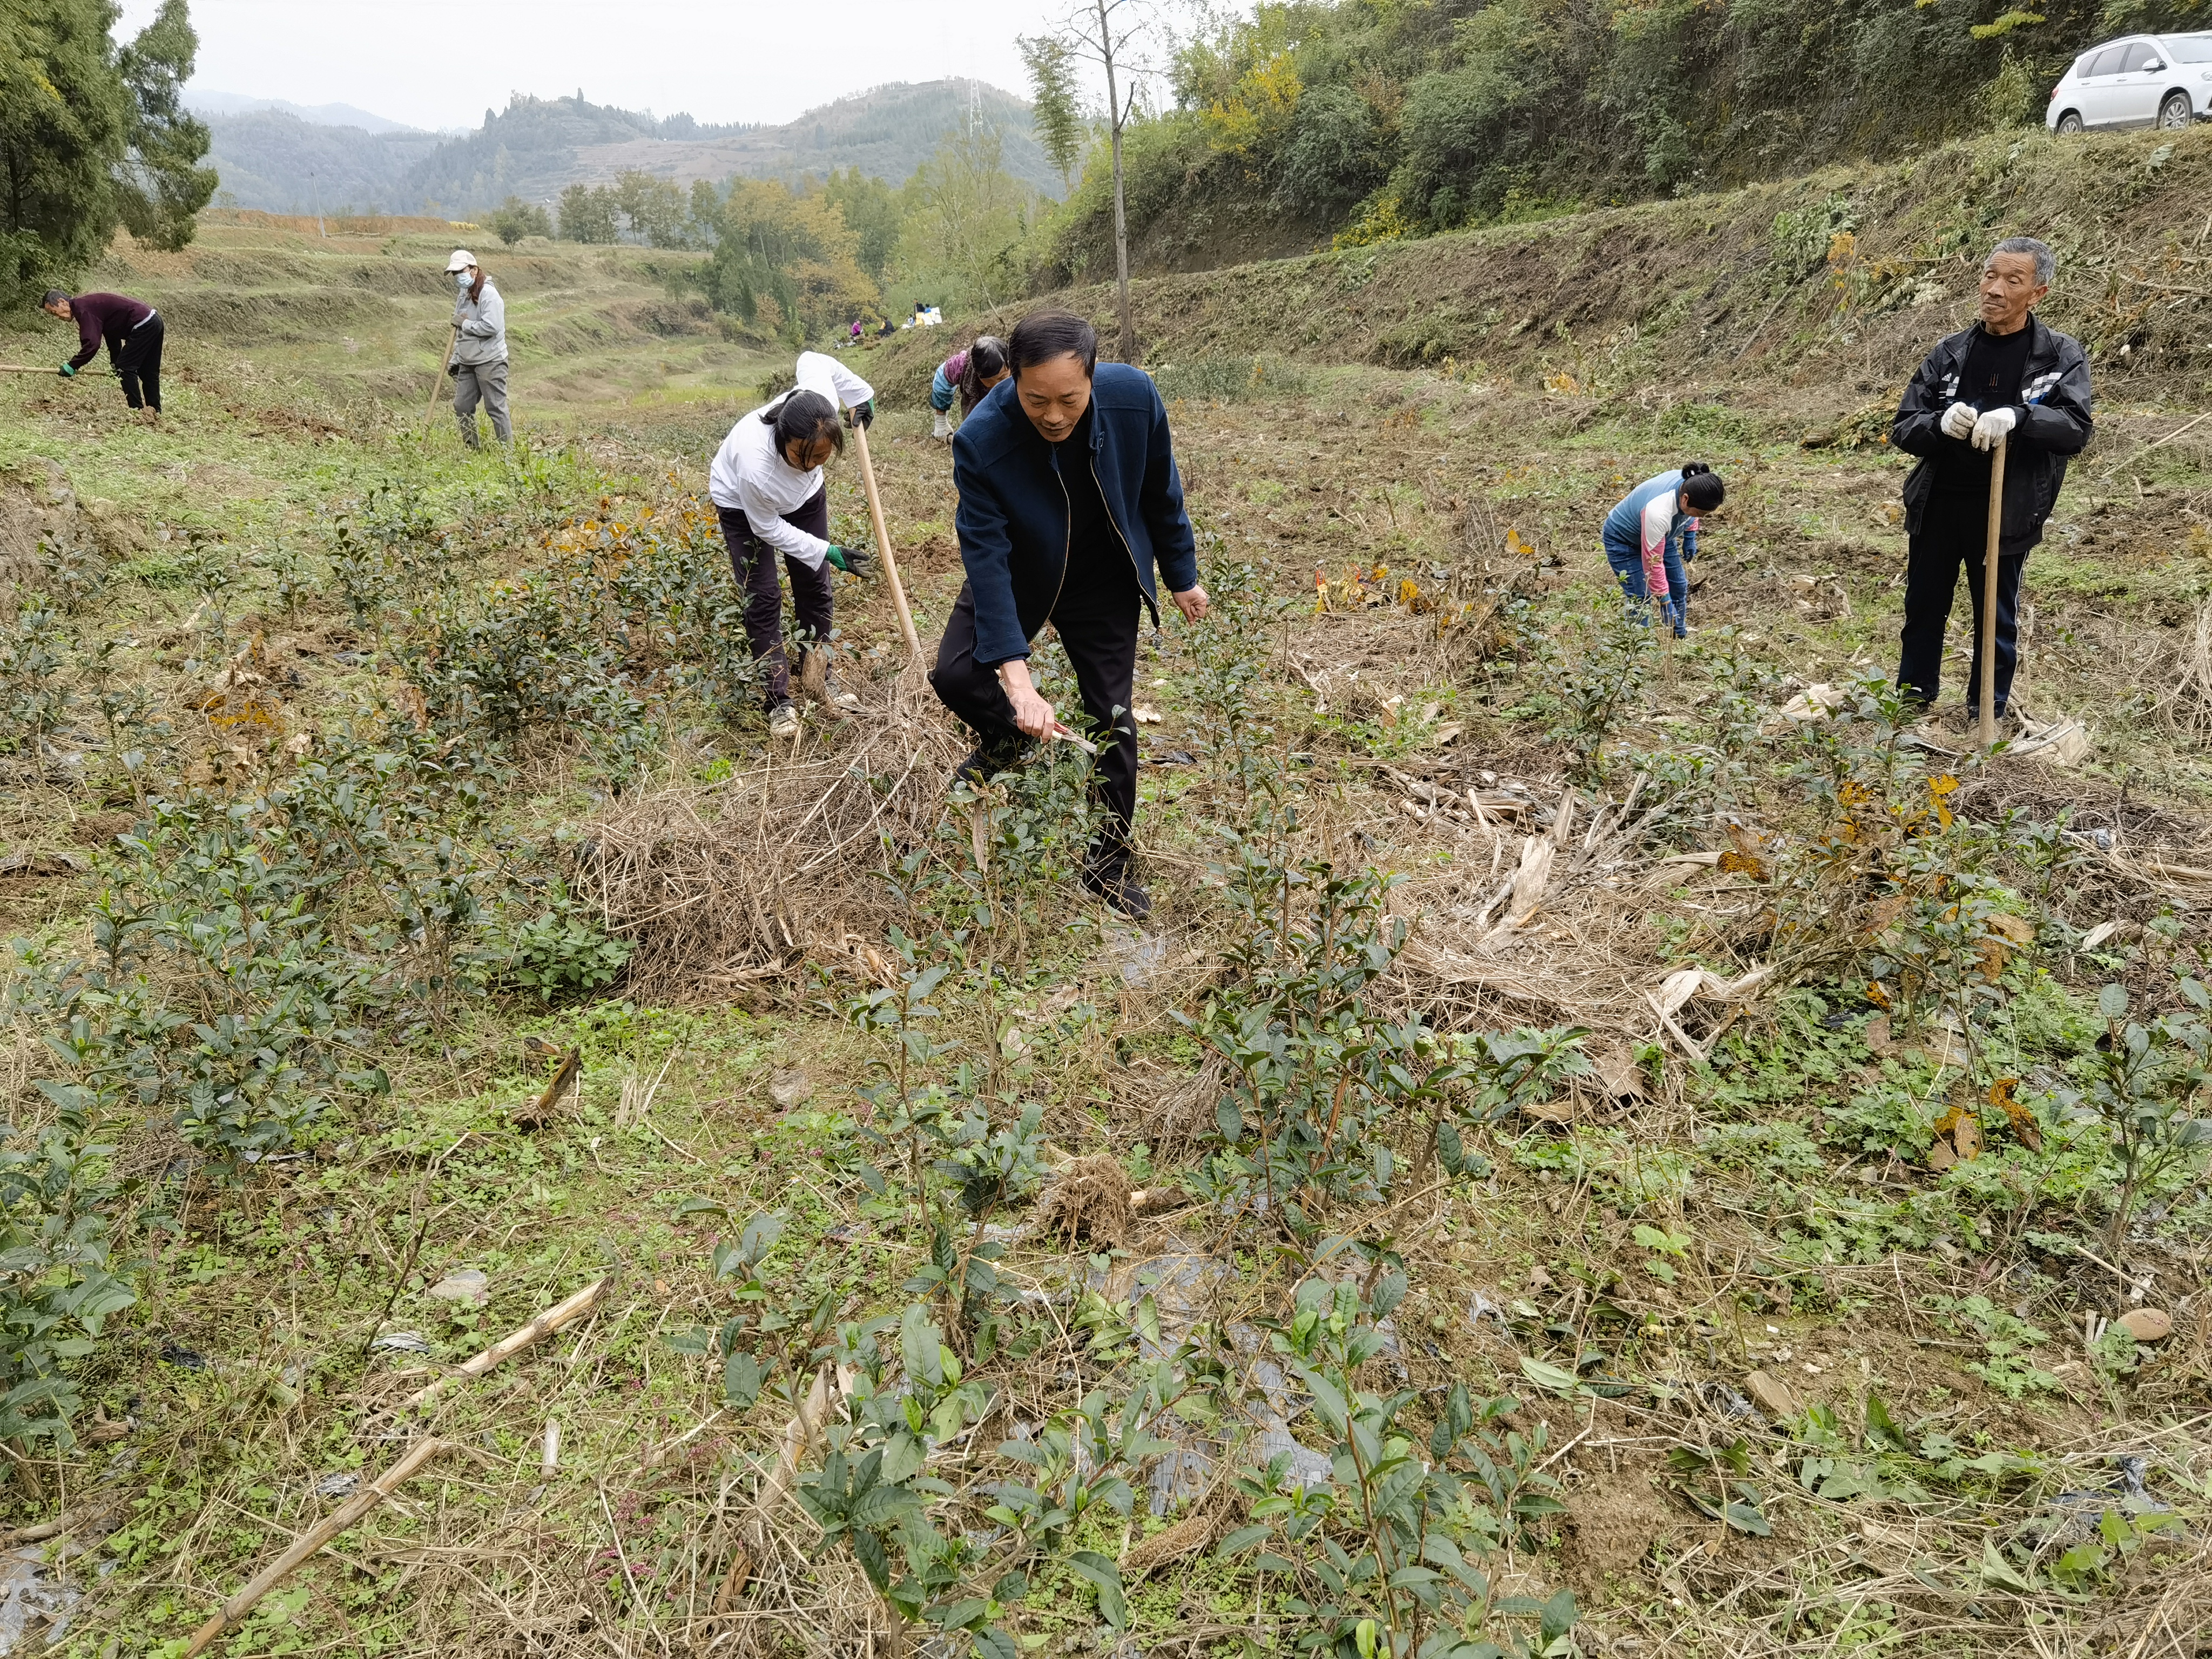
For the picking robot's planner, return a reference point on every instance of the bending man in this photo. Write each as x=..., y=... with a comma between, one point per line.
x=479, y=365
x=1069, y=497
x=2007, y=377
x=132, y=331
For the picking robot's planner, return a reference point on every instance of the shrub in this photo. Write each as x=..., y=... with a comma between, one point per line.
x=559, y=952
x=514, y=219
x=56, y=1289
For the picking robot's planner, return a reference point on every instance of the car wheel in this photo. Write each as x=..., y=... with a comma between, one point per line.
x=2174, y=112
x=2069, y=124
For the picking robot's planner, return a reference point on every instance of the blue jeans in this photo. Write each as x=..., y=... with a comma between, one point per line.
x=1627, y=562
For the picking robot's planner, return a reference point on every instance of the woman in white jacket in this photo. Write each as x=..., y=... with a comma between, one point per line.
x=766, y=484
x=478, y=362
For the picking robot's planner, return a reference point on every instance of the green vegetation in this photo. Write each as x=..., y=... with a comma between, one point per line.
x=1365, y=122
x=93, y=135
x=1593, y=1153
x=1054, y=106
x=514, y=219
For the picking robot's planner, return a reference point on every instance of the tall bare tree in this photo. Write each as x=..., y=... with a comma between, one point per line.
x=1118, y=36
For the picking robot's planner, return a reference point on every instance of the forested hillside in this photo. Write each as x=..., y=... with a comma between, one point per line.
x=537, y=147
x=276, y=161
x=1362, y=119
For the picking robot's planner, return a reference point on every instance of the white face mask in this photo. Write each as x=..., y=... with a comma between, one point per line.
x=460, y=279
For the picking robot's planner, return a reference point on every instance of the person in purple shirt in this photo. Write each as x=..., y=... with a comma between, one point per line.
x=132, y=332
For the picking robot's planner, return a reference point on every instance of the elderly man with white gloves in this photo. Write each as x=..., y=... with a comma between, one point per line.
x=2007, y=377
x=479, y=365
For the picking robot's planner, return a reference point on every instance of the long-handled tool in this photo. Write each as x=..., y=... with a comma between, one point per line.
x=33, y=368
x=1990, y=598
x=452, y=340
x=883, y=546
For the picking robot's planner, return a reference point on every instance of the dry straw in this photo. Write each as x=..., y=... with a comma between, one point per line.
x=718, y=887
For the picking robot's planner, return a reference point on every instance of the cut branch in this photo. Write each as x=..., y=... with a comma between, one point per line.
x=508, y=1347
x=234, y=1610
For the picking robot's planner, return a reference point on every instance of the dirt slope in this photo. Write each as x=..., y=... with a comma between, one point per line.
x=1870, y=265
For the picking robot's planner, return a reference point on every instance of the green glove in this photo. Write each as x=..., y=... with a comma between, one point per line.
x=836, y=556
x=68, y=371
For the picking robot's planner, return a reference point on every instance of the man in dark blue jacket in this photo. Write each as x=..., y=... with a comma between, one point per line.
x=1068, y=497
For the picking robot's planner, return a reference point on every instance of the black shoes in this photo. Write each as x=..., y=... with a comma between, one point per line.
x=1109, y=880
x=986, y=760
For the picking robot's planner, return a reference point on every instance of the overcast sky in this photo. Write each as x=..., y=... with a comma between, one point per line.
x=443, y=63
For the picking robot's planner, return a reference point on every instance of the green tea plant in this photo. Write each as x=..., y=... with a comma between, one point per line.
x=873, y=1497
x=1490, y=1076
x=989, y=1165
x=1378, y=1562
x=38, y=699
x=291, y=582
x=1588, y=687
x=558, y=951
x=906, y=1115
x=1229, y=656
x=74, y=569
x=133, y=727
x=57, y=1285
x=1008, y=849
x=743, y=1373
x=1688, y=785
x=2147, y=1077
x=1310, y=1073
x=1852, y=751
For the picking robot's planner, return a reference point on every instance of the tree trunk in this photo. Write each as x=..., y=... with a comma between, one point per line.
x=1130, y=350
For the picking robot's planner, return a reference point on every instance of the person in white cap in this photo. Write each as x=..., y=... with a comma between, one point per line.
x=479, y=365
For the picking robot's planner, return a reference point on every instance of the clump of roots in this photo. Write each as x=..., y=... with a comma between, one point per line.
x=1087, y=1201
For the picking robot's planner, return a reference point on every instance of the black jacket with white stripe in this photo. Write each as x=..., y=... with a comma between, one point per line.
x=2054, y=423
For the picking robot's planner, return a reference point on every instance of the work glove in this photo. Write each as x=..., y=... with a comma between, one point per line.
x=1958, y=420
x=942, y=427
x=68, y=371
x=861, y=414
x=1991, y=425
x=853, y=561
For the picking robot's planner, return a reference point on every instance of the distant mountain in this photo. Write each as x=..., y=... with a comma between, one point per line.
x=537, y=147
x=274, y=160
x=321, y=115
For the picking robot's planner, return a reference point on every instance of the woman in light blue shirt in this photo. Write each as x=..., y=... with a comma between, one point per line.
x=1652, y=532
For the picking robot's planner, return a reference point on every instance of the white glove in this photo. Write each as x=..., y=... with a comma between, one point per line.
x=943, y=429
x=1991, y=425
x=1958, y=420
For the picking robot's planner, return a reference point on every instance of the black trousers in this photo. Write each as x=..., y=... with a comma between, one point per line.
x=1096, y=617
x=1954, y=535
x=138, y=365
x=753, y=562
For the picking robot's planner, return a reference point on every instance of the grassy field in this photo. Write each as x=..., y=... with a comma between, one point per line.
x=1604, y=1147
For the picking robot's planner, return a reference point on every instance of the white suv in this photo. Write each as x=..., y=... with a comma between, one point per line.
x=2144, y=81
